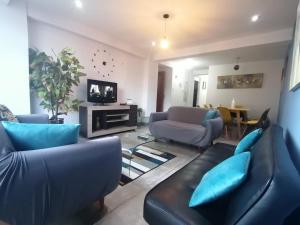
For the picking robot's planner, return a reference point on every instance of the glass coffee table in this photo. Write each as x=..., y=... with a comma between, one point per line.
x=142, y=140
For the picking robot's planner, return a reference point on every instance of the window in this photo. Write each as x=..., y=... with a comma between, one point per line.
x=295, y=72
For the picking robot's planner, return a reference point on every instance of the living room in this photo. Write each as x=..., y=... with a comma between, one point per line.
x=146, y=85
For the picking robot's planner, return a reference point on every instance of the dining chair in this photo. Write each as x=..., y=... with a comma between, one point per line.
x=227, y=119
x=263, y=122
x=210, y=106
x=205, y=106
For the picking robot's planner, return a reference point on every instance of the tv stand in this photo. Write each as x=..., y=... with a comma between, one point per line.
x=100, y=120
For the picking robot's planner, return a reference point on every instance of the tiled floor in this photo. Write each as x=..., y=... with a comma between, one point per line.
x=125, y=205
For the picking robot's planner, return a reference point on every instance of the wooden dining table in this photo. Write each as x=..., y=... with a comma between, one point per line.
x=238, y=112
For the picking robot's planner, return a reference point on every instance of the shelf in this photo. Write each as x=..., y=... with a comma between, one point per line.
x=113, y=130
x=117, y=120
x=121, y=114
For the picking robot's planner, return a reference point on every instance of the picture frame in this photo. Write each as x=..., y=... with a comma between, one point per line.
x=242, y=81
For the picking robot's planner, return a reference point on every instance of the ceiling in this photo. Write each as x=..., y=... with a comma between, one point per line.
x=192, y=22
x=249, y=54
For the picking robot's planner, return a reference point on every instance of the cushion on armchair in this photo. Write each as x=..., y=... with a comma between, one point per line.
x=6, y=114
x=211, y=114
x=27, y=136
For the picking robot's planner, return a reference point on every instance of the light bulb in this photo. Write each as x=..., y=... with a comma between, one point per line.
x=164, y=43
x=255, y=18
x=78, y=4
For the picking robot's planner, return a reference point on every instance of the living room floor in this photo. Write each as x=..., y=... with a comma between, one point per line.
x=125, y=204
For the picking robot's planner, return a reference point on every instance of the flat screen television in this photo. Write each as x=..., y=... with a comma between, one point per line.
x=101, y=91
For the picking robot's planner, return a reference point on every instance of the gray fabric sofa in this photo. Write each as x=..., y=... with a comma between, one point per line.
x=184, y=124
x=39, y=187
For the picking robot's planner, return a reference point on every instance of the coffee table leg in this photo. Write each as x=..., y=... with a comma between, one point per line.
x=130, y=164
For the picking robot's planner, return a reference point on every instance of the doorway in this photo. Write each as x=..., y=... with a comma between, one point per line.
x=195, y=94
x=198, y=91
x=161, y=82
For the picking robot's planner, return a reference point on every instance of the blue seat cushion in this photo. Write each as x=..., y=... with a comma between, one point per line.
x=221, y=180
x=27, y=136
x=248, y=141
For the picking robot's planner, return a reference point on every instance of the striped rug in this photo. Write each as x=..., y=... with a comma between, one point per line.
x=143, y=160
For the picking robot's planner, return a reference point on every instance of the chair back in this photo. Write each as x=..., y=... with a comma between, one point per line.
x=205, y=106
x=263, y=121
x=225, y=114
x=210, y=106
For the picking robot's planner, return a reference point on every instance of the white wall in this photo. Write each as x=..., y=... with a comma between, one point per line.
x=14, y=82
x=129, y=70
x=257, y=100
x=180, y=86
x=149, y=89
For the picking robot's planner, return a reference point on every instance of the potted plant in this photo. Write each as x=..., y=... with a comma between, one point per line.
x=52, y=79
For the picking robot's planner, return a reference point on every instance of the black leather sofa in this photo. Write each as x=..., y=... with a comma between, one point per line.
x=269, y=196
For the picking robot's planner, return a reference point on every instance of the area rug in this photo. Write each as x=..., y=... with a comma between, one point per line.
x=143, y=160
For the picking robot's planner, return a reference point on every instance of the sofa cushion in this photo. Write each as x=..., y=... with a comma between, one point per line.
x=27, y=136
x=167, y=203
x=6, y=114
x=222, y=179
x=6, y=150
x=4, y=138
x=187, y=114
x=179, y=131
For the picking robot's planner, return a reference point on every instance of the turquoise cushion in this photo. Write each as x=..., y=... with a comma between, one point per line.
x=27, y=136
x=211, y=114
x=248, y=141
x=222, y=179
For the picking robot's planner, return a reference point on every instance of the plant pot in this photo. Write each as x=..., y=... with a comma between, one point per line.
x=57, y=121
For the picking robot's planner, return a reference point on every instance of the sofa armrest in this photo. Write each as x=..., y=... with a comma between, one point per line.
x=33, y=118
x=214, y=129
x=157, y=116
x=41, y=186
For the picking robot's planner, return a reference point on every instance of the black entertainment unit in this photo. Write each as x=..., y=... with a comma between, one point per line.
x=104, y=120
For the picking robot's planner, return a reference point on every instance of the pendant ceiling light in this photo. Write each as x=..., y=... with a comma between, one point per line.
x=237, y=66
x=164, y=43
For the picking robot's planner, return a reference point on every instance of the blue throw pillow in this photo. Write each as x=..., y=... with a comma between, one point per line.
x=27, y=136
x=222, y=179
x=248, y=141
x=211, y=114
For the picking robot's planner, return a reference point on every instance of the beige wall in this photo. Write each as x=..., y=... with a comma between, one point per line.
x=257, y=100
x=14, y=75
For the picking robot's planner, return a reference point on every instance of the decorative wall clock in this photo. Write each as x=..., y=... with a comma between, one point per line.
x=103, y=63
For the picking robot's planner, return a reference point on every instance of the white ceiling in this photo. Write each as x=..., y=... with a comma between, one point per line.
x=249, y=54
x=192, y=22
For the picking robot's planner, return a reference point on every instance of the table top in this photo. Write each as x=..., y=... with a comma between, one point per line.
x=238, y=109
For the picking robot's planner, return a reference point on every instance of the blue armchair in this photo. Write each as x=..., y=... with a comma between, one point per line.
x=41, y=186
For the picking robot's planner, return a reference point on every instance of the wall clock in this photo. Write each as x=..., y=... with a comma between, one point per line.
x=103, y=63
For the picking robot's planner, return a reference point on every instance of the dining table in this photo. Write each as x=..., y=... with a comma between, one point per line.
x=239, y=112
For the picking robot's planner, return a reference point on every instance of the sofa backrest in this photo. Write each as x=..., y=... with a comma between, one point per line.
x=272, y=189
x=187, y=114
x=4, y=139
